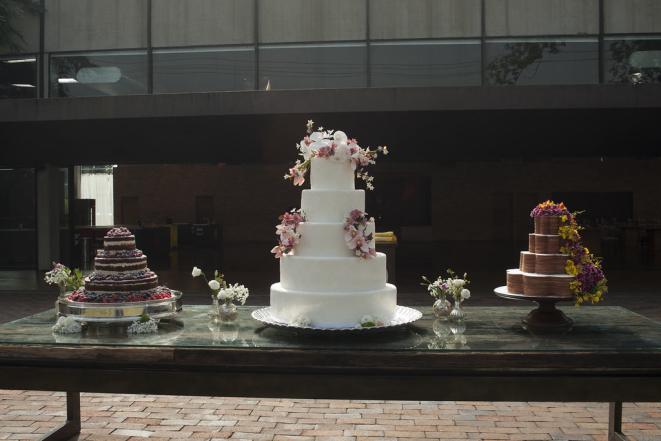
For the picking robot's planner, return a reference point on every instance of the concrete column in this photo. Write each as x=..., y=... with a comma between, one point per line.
x=49, y=194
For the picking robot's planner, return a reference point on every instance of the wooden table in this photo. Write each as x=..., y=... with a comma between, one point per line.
x=611, y=355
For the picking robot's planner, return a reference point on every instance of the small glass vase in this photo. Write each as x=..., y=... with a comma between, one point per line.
x=225, y=312
x=442, y=307
x=457, y=312
x=228, y=312
x=64, y=292
x=214, y=312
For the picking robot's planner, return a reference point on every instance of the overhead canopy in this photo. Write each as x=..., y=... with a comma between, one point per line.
x=419, y=124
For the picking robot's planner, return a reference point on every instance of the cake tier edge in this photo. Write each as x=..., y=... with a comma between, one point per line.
x=333, y=274
x=332, y=309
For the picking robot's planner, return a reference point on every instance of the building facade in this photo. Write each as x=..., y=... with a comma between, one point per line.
x=488, y=107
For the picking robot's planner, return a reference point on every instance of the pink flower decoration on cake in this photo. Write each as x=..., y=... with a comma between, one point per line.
x=356, y=237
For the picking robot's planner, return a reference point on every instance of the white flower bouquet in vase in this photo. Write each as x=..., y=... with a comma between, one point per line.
x=453, y=286
x=221, y=291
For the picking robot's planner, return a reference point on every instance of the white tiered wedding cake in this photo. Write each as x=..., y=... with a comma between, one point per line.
x=330, y=277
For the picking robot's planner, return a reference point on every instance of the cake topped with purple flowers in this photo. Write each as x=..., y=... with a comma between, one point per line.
x=120, y=273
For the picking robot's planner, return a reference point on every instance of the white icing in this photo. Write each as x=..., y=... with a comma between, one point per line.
x=120, y=271
x=331, y=205
x=326, y=174
x=323, y=280
x=119, y=268
x=125, y=243
x=332, y=309
x=325, y=240
x=333, y=274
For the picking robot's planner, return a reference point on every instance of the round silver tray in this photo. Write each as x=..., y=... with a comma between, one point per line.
x=403, y=316
x=119, y=312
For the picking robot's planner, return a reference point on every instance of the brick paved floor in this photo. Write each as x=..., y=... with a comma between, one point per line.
x=24, y=415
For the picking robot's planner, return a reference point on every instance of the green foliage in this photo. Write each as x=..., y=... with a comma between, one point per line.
x=76, y=280
x=10, y=10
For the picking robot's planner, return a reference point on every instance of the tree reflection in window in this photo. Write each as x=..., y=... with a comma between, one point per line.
x=622, y=60
x=519, y=59
x=66, y=69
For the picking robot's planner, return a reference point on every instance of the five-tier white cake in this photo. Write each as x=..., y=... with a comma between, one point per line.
x=322, y=279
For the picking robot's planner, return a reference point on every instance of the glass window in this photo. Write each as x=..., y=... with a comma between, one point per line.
x=626, y=56
x=447, y=63
x=98, y=74
x=313, y=67
x=542, y=61
x=204, y=70
x=18, y=77
x=17, y=218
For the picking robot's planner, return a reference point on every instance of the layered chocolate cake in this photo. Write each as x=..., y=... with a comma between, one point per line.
x=120, y=273
x=541, y=269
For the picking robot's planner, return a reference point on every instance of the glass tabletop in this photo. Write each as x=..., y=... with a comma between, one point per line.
x=485, y=329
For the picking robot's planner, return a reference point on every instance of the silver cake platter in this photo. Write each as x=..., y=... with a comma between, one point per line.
x=119, y=312
x=403, y=316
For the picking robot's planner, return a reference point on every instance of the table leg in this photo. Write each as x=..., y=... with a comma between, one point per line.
x=71, y=427
x=615, y=422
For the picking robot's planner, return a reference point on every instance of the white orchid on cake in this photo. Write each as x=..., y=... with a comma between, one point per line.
x=357, y=237
x=286, y=230
x=334, y=146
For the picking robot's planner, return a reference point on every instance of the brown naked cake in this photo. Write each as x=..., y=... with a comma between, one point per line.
x=120, y=273
x=541, y=269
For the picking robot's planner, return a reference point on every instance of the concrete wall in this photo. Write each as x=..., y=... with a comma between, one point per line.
x=85, y=25
x=541, y=17
x=311, y=20
x=632, y=16
x=202, y=22
x=402, y=19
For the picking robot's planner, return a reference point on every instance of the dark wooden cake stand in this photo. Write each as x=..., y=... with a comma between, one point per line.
x=546, y=318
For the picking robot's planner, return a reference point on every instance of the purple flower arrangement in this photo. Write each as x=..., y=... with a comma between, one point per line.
x=549, y=208
x=589, y=282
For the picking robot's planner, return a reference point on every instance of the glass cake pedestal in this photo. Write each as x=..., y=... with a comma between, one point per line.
x=119, y=312
x=546, y=318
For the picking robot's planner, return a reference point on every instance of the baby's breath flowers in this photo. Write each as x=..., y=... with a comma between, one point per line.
x=63, y=277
